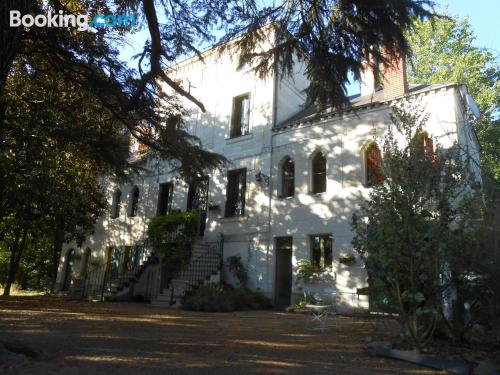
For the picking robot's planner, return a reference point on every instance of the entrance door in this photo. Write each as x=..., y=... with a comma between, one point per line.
x=68, y=272
x=198, y=201
x=283, y=286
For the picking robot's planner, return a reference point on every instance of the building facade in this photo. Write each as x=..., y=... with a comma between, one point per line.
x=294, y=179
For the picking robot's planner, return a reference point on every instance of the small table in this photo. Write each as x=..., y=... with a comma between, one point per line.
x=317, y=318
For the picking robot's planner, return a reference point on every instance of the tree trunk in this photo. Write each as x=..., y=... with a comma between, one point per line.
x=15, y=258
x=10, y=36
x=57, y=244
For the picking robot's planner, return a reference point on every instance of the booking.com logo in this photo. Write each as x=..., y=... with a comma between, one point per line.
x=66, y=20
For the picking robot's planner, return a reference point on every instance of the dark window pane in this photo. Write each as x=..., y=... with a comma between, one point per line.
x=288, y=178
x=115, y=207
x=165, y=198
x=322, y=251
x=319, y=173
x=240, y=116
x=235, y=193
x=134, y=201
x=284, y=243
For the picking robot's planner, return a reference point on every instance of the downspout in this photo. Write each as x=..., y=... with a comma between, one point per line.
x=271, y=153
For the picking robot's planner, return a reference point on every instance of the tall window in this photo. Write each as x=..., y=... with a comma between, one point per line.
x=240, y=116
x=145, y=129
x=322, y=250
x=165, y=198
x=425, y=145
x=115, y=206
x=318, y=173
x=373, y=165
x=235, y=193
x=134, y=201
x=288, y=178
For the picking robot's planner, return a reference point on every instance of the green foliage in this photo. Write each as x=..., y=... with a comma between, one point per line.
x=224, y=298
x=407, y=230
x=308, y=273
x=307, y=299
x=172, y=237
x=235, y=265
x=443, y=51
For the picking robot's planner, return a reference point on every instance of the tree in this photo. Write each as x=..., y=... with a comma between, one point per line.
x=442, y=51
x=408, y=230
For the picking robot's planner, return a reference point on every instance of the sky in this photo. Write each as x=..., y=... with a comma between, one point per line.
x=482, y=14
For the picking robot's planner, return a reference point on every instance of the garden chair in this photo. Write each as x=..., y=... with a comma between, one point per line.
x=321, y=316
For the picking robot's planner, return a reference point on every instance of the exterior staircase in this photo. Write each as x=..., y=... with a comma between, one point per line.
x=106, y=283
x=204, y=267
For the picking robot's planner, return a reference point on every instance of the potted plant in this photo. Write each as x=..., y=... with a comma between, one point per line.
x=347, y=258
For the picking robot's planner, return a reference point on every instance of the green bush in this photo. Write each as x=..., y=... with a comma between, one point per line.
x=224, y=298
x=235, y=265
x=172, y=238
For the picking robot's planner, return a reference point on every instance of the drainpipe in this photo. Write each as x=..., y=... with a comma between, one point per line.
x=271, y=154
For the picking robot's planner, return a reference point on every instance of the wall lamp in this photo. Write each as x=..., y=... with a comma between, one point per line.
x=262, y=178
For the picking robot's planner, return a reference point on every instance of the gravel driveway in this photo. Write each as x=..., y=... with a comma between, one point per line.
x=63, y=336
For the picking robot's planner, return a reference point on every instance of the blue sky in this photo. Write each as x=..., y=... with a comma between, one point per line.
x=483, y=16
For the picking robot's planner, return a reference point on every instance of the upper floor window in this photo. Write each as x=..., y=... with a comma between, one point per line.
x=165, y=198
x=318, y=173
x=373, y=165
x=235, y=193
x=322, y=250
x=115, y=205
x=288, y=178
x=240, y=118
x=134, y=201
x=144, y=130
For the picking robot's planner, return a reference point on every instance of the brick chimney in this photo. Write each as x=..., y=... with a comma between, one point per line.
x=394, y=77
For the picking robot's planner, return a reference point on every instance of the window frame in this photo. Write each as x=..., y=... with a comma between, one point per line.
x=240, y=193
x=287, y=180
x=322, y=264
x=165, y=208
x=367, y=167
x=116, y=204
x=232, y=131
x=314, y=188
x=134, y=201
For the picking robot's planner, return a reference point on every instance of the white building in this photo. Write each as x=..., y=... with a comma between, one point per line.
x=295, y=178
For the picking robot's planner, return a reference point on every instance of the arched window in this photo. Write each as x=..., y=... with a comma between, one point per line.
x=288, y=178
x=134, y=201
x=115, y=206
x=318, y=173
x=373, y=165
x=425, y=145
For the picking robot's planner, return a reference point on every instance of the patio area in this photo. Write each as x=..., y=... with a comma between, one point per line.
x=78, y=337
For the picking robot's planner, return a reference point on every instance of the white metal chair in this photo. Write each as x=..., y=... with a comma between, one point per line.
x=321, y=316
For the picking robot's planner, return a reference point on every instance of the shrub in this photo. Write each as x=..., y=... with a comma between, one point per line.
x=224, y=298
x=235, y=265
x=172, y=237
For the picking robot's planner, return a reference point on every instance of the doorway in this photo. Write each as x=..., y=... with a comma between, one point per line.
x=283, y=282
x=197, y=201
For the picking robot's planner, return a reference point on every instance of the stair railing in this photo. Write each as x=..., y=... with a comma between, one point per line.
x=196, y=270
x=100, y=279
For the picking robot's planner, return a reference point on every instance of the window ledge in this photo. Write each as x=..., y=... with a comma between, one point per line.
x=240, y=138
x=286, y=198
x=317, y=194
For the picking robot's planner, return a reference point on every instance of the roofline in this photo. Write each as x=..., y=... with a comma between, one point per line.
x=322, y=116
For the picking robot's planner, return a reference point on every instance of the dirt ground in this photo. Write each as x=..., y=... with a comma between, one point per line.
x=78, y=337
